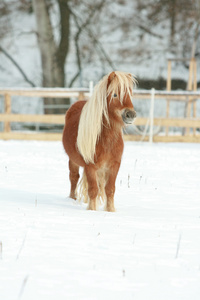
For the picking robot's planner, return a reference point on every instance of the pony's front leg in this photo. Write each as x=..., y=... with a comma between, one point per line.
x=92, y=186
x=110, y=186
x=74, y=177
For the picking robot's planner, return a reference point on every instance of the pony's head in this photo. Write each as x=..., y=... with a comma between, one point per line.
x=110, y=102
x=119, y=97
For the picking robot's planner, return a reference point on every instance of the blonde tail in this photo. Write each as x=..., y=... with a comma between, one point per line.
x=82, y=189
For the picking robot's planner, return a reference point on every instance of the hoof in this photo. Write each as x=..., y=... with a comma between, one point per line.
x=91, y=206
x=110, y=208
x=72, y=196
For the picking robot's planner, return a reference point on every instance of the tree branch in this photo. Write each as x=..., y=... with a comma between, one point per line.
x=147, y=30
x=82, y=27
x=76, y=39
x=102, y=50
x=74, y=78
x=17, y=66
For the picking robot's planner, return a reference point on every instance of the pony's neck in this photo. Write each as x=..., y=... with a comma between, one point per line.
x=112, y=127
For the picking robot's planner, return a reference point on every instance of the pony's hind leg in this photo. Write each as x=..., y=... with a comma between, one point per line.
x=92, y=186
x=74, y=177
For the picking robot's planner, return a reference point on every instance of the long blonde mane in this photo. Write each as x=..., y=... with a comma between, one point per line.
x=91, y=119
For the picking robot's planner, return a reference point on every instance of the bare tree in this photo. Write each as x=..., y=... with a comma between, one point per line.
x=103, y=35
x=84, y=27
x=53, y=55
x=178, y=14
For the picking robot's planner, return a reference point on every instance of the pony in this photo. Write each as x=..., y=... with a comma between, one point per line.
x=92, y=138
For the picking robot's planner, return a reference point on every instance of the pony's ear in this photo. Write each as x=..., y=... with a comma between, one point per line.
x=111, y=77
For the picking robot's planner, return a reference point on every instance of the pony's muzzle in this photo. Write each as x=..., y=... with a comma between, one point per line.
x=128, y=116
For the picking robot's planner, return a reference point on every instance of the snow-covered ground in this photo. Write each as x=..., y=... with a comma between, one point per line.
x=53, y=248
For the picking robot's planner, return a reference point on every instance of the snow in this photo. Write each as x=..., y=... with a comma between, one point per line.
x=53, y=248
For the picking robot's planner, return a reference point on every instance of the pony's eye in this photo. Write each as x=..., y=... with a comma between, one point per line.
x=115, y=95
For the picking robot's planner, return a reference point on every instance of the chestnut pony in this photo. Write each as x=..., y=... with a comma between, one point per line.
x=92, y=138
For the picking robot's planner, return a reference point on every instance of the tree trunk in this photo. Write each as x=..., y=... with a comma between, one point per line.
x=52, y=56
x=172, y=11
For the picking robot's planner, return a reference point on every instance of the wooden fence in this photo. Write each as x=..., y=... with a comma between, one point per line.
x=190, y=122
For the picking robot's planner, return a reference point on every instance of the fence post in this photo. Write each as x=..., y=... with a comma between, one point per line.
x=7, y=108
x=169, y=85
x=151, y=116
x=81, y=96
x=91, y=87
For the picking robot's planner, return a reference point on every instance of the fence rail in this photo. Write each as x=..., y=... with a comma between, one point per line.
x=8, y=117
